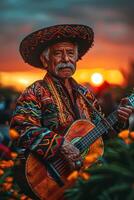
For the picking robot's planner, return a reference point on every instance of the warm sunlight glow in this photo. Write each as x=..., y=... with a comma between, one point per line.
x=97, y=79
x=20, y=80
x=114, y=76
x=23, y=81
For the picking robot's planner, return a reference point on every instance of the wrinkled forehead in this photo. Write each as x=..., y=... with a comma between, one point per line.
x=62, y=45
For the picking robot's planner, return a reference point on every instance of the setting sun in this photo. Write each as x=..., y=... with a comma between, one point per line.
x=97, y=79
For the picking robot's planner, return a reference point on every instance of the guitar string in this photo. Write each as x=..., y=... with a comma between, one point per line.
x=112, y=119
x=93, y=134
x=56, y=164
x=89, y=137
x=60, y=163
x=101, y=128
x=61, y=168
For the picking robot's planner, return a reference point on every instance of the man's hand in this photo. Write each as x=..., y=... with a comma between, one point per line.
x=72, y=155
x=124, y=111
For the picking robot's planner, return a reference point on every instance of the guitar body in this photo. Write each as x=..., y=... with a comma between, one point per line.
x=38, y=177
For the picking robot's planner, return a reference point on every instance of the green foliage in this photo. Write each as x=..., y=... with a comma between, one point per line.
x=111, y=180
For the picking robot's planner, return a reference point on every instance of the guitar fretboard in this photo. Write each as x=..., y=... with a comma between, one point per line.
x=99, y=130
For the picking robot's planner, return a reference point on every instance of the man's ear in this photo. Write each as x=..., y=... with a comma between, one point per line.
x=44, y=61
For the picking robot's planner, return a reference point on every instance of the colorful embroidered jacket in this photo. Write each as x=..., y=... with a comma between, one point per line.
x=45, y=111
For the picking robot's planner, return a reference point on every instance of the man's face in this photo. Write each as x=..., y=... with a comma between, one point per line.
x=62, y=59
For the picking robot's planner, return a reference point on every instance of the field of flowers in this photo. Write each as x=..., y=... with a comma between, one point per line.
x=112, y=178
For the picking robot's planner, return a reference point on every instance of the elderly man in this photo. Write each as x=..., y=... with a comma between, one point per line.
x=47, y=108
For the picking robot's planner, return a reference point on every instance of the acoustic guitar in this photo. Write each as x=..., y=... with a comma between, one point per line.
x=48, y=180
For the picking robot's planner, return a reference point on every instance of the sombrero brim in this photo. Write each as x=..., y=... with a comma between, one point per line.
x=32, y=46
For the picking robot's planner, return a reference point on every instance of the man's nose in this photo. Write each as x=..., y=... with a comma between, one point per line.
x=65, y=57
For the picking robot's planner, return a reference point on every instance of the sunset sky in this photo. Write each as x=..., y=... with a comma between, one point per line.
x=111, y=20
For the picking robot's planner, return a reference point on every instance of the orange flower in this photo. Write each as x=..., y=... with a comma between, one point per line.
x=1, y=172
x=126, y=136
x=11, y=163
x=85, y=175
x=6, y=164
x=7, y=186
x=13, y=134
x=123, y=134
x=132, y=135
x=128, y=141
x=9, y=179
x=3, y=164
x=13, y=155
x=91, y=158
x=73, y=176
x=23, y=197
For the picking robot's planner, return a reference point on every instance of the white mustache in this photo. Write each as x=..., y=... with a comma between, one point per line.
x=64, y=65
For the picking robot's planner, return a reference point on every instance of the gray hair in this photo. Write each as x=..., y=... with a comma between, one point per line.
x=47, y=51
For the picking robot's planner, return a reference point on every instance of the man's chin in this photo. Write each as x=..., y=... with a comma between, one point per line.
x=66, y=73
x=64, y=76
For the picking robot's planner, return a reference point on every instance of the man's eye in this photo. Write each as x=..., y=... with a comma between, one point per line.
x=71, y=53
x=57, y=53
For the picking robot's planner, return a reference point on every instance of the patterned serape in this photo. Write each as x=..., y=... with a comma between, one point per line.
x=45, y=111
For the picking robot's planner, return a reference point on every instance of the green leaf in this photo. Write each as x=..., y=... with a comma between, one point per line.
x=114, y=169
x=131, y=195
x=118, y=188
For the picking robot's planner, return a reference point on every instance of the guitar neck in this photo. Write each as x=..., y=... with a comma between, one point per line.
x=98, y=131
x=101, y=128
